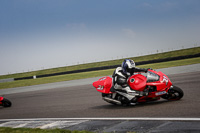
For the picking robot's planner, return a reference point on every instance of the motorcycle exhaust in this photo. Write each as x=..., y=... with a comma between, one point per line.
x=107, y=99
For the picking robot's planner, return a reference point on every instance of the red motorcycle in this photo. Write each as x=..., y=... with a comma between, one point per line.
x=5, y=102
x=152, y=87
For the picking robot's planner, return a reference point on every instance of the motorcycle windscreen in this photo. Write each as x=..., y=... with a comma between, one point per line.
x=103, y=85
x=137, y=82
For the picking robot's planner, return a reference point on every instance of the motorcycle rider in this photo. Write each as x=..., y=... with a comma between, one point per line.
x=121, y=75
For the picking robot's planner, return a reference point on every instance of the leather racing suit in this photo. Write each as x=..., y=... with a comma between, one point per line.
x=119, y=79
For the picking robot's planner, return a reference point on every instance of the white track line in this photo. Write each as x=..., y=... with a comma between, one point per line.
x=124, y=118
x=61, y=124
x=47, y=124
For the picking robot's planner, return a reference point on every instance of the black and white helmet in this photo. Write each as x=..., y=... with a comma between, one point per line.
x=127, y=66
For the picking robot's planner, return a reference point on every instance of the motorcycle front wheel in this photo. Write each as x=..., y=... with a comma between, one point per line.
x=174, y=93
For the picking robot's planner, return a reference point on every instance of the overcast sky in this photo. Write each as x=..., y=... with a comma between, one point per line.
x=41, y=34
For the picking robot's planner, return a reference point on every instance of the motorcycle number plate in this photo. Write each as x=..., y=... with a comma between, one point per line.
x=100, y=87
x=161, y=93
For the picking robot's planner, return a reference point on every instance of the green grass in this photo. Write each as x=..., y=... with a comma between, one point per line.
x=37, y=130
x=176, y=53
x=173, y=63
x=83, y=75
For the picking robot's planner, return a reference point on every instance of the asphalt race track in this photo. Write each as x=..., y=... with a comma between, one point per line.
x=83, y=101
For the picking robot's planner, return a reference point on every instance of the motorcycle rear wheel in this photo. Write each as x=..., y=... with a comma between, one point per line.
x=174, y=93
x=6, y=103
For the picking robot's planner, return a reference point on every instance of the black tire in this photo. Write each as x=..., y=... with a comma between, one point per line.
x=6, y=103
x=174, y=93
x=125, y=101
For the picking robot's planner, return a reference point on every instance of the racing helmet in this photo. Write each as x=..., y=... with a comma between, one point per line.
x=127, y=66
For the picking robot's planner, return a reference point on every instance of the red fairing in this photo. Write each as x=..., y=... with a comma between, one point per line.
x=1, y=98
x=103, y=85
x=163, y=83
x=137, y=82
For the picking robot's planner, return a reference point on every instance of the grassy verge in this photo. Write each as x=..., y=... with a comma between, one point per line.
x=173, y=63
x=83, y=75
x=37, y=130
x=176, y=53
